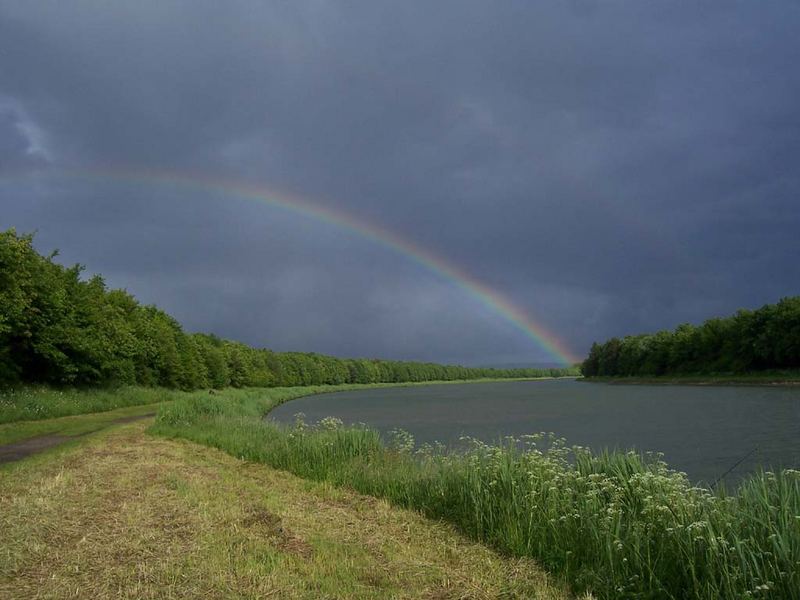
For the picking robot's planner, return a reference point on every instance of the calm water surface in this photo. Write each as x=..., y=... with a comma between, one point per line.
x=703, y=431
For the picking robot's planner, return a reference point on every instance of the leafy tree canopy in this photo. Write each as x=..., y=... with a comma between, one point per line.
x=60, y=329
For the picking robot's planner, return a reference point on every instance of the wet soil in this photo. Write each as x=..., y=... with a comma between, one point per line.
x=25, y=448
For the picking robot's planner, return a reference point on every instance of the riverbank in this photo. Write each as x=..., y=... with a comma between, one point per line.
x=32, y=403
x=612, y=523
x=125, y=514
x=766, y=378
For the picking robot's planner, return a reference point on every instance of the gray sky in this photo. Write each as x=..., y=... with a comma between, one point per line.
x=610, y=168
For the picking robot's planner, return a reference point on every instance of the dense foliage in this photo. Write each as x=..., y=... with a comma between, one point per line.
x=57, y=328
x=751, y=340
x=617, y=524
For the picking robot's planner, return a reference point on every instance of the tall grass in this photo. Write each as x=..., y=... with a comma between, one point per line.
x=617, y=524
x=35, y=403
x=31, y=403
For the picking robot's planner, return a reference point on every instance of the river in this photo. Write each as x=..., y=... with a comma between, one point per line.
x=701, y=430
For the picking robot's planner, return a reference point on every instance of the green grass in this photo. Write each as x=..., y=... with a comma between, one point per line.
x=32, y=412
x=128, y=515
x=38, y=403
x=34, y=403
x=616, y=524
x=70, y=426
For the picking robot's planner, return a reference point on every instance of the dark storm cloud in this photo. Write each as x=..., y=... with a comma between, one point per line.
x=610, y=168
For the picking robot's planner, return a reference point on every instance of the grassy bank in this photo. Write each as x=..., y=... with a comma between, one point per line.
x=126, y=515
x=772, y=378
x=42, y=402
x=616, y=524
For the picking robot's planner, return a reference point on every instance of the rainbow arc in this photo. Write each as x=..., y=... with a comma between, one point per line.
x=493, y=300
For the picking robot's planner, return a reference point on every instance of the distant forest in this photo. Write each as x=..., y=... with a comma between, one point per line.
x=749, y=341
x=58, y=329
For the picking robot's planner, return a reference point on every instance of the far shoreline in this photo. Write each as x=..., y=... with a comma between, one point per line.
x=743, y=380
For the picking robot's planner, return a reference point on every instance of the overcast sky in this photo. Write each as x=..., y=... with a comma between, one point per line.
x=610, y=168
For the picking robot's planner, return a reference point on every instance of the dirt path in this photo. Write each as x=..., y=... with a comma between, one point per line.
x=29, y=447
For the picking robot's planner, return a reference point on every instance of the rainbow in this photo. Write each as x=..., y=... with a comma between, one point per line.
x=488, y=297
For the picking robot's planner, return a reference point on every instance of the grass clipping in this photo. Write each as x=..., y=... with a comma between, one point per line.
x=130, y=515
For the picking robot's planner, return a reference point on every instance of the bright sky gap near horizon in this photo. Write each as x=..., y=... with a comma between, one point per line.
x=582, y=170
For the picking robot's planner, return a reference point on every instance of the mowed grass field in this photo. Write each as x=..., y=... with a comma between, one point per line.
x=122, y=514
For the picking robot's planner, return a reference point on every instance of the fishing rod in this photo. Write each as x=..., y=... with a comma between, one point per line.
x=740, y=461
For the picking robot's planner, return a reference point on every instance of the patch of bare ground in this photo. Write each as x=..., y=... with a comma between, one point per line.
x=30, y=446
x=126, y=515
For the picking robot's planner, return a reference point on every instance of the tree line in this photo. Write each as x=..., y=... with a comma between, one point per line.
x=60, y=329
x=751, y=340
